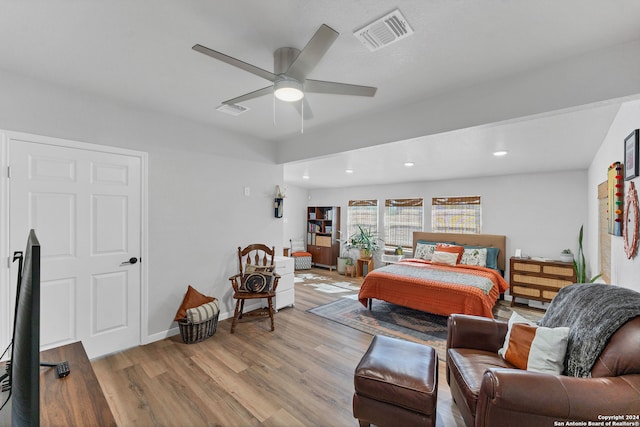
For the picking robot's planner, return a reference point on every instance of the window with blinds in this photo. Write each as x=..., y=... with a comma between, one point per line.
x=401, y=218
x=456, y=214
x=364, y=213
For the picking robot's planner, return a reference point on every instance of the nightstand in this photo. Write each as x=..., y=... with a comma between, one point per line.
x=361, y=263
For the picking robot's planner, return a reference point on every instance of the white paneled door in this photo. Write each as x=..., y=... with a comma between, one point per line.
x=85, y=206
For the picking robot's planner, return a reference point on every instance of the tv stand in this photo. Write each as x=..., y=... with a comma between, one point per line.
x=74, y=400
x=78, y=398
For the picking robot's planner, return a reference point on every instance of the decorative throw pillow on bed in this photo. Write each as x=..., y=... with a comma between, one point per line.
x=424, y=251
x=492, y=255
x=445, y=258
x=474, y=257
x=445, y=247
x=534, y=348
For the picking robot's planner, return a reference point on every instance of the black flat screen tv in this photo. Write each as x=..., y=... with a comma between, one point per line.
x=25, y=355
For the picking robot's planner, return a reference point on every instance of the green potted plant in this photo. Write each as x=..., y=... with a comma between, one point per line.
x=365, y=240
x=580, y=264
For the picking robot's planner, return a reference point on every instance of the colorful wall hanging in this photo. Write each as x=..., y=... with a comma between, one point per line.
x=615, y=186
x=631, y=222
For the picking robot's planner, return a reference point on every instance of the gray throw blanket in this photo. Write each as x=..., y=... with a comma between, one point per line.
x=593, y=312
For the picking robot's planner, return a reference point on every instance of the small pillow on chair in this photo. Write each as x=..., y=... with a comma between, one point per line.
x=534, y=348
x=256, y=279
x=191, y=299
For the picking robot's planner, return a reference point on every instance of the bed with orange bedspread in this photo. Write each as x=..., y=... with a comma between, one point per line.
x=439, y=289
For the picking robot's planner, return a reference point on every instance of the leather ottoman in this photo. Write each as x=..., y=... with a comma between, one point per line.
x=396, y=383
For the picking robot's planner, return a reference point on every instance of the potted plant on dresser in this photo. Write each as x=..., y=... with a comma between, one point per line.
x=566, y=255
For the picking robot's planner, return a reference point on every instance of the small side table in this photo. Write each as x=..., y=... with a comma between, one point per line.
x=360, y=263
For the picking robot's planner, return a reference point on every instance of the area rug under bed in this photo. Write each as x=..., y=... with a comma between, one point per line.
x=389, y=320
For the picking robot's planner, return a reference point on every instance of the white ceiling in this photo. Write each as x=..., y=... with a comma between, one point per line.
x=138, y=52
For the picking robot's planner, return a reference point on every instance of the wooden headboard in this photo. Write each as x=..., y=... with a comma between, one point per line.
x=488, y=240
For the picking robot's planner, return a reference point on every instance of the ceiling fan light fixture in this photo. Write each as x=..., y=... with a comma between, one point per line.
x=288, y=90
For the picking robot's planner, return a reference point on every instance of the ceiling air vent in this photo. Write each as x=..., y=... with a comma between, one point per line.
x=384, y=31
x=233, y=109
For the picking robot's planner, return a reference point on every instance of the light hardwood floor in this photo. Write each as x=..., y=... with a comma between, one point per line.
x=299, y=375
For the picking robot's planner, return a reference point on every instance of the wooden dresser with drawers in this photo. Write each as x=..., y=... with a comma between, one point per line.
x=538, y=280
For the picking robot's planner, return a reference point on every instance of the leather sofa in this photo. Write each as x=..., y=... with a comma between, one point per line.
x=491, y=392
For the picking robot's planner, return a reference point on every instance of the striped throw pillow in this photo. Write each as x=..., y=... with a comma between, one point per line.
x=203, y=312
x=534, y=348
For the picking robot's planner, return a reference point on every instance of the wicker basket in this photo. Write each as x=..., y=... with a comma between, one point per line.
x=192, y=333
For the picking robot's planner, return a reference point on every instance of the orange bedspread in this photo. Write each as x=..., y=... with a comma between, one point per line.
x=434, y=296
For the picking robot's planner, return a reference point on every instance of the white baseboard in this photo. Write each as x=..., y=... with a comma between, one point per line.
x=176, y=330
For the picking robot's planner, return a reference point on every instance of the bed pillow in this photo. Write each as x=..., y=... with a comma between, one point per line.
x=492, y=255
x=427, y=242
x=445, y=247
x=474, y=256
x=444, y=258
x=534, y=348
x=424, y=250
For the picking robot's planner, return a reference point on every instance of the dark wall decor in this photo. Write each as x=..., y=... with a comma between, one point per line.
x=631, y=155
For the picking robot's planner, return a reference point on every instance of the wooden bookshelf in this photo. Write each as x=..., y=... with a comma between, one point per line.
x=323, y=224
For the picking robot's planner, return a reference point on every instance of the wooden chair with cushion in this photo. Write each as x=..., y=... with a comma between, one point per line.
x=255, y=280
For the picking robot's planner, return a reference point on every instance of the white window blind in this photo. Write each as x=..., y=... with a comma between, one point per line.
x=363, y=213
x=401, y=218
x=456, y=214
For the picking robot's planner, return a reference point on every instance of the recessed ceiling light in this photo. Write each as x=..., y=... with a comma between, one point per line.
x=305, y=176
x=500, y=153
x=348, y=170
x=409, y=164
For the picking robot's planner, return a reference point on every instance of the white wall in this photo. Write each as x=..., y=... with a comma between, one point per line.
x=539, y=213
x=295, y=214
x=198, y=213
x=624, y=272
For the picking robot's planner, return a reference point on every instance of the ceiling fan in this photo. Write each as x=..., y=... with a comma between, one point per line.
x=291, y=68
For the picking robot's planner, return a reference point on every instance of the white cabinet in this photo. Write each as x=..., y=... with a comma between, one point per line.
x=285, y=294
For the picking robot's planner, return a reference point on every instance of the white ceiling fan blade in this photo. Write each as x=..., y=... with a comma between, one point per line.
x=236, y=62
x=312, y=53
x=319, y=86
x=308, y=113
x=251, y=95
